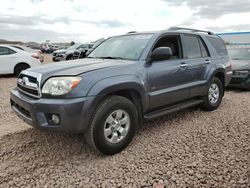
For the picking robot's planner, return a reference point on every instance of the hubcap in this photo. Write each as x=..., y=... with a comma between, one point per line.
x=116, y=126
x=213, y=93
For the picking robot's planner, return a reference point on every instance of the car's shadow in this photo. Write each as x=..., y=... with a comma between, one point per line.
x=7, y=76
x=236, y=90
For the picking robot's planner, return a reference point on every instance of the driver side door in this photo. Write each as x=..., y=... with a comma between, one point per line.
x=168, y=79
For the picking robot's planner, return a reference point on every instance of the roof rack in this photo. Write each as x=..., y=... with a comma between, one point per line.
x=189, y=29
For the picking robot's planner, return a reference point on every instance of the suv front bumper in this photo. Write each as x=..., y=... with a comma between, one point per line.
x=73, y=113
x=241, y=82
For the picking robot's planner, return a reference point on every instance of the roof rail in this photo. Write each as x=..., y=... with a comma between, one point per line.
x=189, y=29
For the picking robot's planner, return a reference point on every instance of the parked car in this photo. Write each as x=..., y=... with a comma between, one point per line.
x=240, y=56
x=125, y=80
x=81, y=52
x=19, y=47
x=13, y=60
x=67, y=54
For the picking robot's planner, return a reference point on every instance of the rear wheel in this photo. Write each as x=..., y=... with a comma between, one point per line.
x=113, y=125
x=214, y=95
x=19, y=68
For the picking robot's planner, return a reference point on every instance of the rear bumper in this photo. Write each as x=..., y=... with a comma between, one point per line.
x=73, y=113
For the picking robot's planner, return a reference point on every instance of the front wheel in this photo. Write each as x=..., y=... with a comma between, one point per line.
x=70, y=57
x=214, y=95
x=113, y=125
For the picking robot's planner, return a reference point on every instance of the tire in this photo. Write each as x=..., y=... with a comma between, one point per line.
x=107, y=111
x=214, y=95
x=70, y=57
x=19, y=68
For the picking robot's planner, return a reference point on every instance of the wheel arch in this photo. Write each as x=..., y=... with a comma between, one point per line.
x=127, y=86
x=20, y=63
x=220, y=74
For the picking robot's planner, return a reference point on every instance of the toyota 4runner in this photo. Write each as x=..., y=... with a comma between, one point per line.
x=123, y=81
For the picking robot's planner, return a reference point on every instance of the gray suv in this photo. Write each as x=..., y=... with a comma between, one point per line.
x=125, y=80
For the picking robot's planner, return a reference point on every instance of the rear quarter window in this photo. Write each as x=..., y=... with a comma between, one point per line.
x=218, y=45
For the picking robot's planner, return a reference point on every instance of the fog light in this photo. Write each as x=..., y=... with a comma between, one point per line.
x=55, y=119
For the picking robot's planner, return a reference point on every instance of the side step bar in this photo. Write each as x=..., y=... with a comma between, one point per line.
x=172, y=109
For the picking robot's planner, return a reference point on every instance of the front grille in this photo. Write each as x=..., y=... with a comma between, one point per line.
x=29, y=84
x=31, y=91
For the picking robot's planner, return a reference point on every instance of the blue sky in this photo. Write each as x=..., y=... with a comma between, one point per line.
x=88, y=20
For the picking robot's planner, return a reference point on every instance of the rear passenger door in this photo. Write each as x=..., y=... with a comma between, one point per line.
x=199, y=62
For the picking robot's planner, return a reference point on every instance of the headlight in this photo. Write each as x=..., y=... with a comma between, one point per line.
x=60, y=85
x=241, y=73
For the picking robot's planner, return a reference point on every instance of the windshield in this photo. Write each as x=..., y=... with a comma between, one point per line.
x=128, y=47
x=239, y=53
x=75, y=46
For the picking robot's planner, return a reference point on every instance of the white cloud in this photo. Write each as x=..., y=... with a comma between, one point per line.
x=86, y=20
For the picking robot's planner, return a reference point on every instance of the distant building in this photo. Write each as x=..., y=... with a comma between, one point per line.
x=236, y=38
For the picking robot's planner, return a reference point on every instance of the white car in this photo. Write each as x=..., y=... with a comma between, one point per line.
x=14, y=60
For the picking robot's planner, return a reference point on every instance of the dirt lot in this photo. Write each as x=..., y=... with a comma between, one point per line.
x=191, y=148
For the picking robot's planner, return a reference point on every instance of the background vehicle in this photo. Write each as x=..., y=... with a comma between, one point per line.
x=81, y=53
x=67, y=54
x=240, y=56
x=123, y=81
x=14, y=60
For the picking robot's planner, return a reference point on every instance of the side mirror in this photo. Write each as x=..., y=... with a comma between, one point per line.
x=161, y=53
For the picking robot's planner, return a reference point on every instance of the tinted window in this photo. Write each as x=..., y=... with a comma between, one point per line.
x=204, y=50
x=192, y=46
x=218, y=45
x=172, y=42
x=83, y=46
x=6, y=51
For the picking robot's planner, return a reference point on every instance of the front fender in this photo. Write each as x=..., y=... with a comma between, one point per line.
x=118, y=83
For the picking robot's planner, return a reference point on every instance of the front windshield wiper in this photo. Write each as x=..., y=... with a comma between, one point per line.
x=109, y=57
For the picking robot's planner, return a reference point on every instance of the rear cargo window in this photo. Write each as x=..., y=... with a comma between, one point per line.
x=218, y=45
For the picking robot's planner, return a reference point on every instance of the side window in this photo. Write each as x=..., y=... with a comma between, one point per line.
x=204, y=51
x=218, y=45
x=172, y=42
x=192, y=45
x=82, y=46
x=6, y=51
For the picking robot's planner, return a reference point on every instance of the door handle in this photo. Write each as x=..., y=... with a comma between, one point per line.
x=183, y=65
x=208, y=61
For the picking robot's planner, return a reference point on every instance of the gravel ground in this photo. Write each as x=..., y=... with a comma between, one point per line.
x=191, y=148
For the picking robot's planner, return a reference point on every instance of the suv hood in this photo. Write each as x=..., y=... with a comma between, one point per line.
x=240, y=65
x=76, y=67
